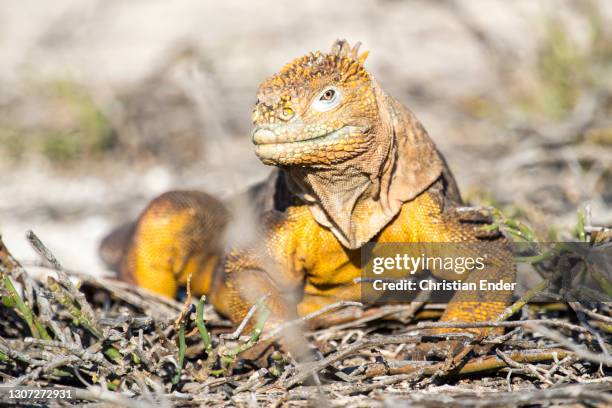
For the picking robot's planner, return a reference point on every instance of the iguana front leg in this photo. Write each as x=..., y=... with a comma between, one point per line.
x=246, y=278
x=432, y=223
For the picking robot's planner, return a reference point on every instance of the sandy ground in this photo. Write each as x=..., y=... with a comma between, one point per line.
x=420, y=52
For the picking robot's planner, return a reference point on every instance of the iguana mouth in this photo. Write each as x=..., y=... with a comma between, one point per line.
x=292, y=134
x=293, y=148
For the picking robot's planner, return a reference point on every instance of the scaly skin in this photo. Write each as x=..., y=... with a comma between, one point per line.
x=355, y=166
x=289, y=133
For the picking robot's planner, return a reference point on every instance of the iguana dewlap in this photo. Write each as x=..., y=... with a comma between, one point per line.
x=353, y=166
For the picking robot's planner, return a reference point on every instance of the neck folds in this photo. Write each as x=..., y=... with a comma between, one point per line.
x=356, y=199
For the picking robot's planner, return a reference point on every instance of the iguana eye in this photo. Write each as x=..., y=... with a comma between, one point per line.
x=328, y=95
x=328, y=99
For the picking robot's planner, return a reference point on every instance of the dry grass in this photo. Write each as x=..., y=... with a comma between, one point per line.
x=119, y=345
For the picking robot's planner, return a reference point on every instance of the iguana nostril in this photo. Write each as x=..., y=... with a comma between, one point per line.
x=286, y=114
x=262, y=136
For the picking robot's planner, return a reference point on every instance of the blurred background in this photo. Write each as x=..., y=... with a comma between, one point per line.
x=106, y=103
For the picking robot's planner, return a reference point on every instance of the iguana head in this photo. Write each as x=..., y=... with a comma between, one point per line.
x=353, y=153
x=319, y=110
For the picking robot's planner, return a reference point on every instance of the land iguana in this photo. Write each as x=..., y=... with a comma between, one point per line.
x=352, y=166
